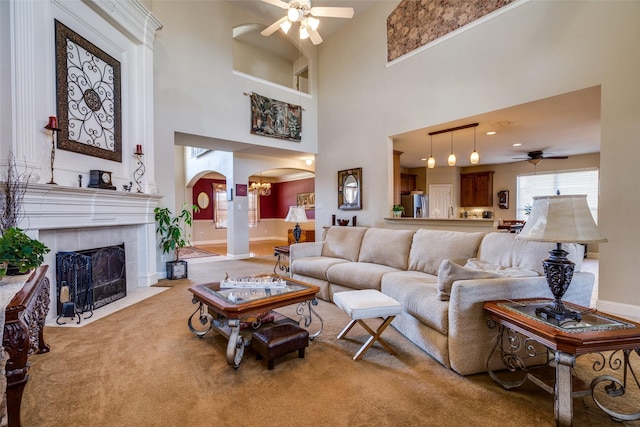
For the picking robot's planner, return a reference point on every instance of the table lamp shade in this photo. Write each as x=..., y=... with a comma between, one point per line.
x=561, y=219
x=296, y=214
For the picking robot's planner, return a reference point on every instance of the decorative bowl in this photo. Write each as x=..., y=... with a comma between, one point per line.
x=343, y=222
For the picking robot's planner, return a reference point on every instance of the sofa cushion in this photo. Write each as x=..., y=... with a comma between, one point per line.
x=343, y=242
x=506, y=250
x=386, y=247
x=478, y=264
x=449, y=272
x=530, y=254
x=431, y=247
x=358, y=275
x=417, y=293
x=315, y=266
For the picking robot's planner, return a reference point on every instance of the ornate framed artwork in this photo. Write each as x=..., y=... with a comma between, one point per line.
x=306, y=200
x=241, y=189
x=276, y=119
x=350, y=189
x=88, y=97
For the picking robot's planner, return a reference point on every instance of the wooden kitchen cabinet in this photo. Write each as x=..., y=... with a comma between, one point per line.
x=407, y=183
x=476, y=189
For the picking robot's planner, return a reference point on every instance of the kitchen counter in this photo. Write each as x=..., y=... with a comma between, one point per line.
x=453, y=224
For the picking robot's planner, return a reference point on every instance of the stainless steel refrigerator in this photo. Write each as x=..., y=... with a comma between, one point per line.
x=415, y=205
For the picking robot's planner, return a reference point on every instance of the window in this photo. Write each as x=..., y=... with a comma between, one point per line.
x=220, y=208
x=570, y=182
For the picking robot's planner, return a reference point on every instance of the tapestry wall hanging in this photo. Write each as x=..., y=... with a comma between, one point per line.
x=88, y=97
x=276, y=119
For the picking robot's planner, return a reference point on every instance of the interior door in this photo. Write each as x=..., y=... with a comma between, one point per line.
x=440, y=205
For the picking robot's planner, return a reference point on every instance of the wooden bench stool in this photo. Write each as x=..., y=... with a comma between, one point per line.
x=367, y=304
x=279, y=340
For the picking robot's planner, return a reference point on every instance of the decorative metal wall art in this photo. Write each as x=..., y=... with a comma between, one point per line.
x=276, y=119
x=88, y=97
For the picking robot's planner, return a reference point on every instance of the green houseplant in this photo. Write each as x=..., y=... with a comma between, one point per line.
x=173, y=237
x=397, y=210
x=21, y=253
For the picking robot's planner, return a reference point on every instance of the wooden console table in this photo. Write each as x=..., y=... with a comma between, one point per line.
x=23, y=335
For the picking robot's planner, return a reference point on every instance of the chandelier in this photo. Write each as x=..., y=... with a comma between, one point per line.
x=261, y=188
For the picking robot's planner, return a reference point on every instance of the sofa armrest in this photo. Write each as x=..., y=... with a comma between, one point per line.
x=470, y=339
x=304, y=250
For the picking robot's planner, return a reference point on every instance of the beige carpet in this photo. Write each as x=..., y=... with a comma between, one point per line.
x=142, y=367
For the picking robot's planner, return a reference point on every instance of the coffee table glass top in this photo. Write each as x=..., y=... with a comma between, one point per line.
x=244, y=295
x=591, y=321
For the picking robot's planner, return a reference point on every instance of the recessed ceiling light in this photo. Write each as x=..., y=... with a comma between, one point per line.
x=517, y=144
x=493, y=132
x=423, y=159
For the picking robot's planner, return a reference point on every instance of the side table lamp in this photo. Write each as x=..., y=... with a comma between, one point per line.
x=560, y=219
x=296, y=214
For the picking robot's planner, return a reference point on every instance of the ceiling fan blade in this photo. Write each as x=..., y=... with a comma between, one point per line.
x=278, y=3
x=332, y=12
x=555, y=157
x=314, y=36
x=273, y=27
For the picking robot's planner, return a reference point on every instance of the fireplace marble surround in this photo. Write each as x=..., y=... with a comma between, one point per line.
x=72, y=219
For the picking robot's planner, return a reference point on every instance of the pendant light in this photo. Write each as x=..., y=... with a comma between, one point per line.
x=431, y=163
x=475, y=157
x=452, y=157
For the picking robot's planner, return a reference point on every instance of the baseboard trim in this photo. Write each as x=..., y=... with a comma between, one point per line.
x=627, y=311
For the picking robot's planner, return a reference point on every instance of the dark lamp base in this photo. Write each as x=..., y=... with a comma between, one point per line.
x=558, y=313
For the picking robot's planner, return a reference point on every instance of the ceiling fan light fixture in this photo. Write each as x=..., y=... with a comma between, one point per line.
x=313, y=23
x=285, y=26
x=294, y=14
x=304, y=34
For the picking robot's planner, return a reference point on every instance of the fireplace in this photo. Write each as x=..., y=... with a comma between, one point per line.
x=89, y=279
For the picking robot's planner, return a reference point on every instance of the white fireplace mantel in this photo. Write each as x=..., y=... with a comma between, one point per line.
x=49, y=206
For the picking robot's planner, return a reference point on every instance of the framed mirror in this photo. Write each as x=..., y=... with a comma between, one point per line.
x=203, y=200
x=350, y=189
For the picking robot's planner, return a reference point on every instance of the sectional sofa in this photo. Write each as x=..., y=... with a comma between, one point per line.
x=441, y=278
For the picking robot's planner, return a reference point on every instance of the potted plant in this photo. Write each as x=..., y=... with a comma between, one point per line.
x=173, y=237
x=397, y=210
x=20, y=252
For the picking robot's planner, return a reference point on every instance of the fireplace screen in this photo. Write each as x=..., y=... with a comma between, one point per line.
x=89, y=279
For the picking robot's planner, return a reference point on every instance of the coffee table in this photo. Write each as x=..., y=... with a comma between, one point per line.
x=236, y=312
x=597, y=333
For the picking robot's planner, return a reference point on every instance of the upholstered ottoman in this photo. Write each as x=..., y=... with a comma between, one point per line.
x=367, y=304
x=279, y=340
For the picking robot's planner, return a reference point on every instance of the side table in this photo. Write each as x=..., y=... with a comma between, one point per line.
x=281, y=253
x=597, y=332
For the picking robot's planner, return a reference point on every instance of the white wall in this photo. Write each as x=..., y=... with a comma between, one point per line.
x=536, y=50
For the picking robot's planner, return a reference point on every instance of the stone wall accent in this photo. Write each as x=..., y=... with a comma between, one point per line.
x=414, y=23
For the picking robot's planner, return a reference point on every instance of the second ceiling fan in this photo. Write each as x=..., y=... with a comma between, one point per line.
x=535, y=157
x=302, y=12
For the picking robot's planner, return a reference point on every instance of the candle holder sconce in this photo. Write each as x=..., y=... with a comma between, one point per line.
x=53, y=127
x=140, y=170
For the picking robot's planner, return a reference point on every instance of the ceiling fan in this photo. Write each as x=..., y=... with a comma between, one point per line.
x=302, y=12
x=535, y=157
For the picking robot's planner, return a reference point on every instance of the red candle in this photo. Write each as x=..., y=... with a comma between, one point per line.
x=53, y=123
x=138, y=149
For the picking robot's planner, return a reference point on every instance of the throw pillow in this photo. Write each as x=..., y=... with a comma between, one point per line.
x=449, y=272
